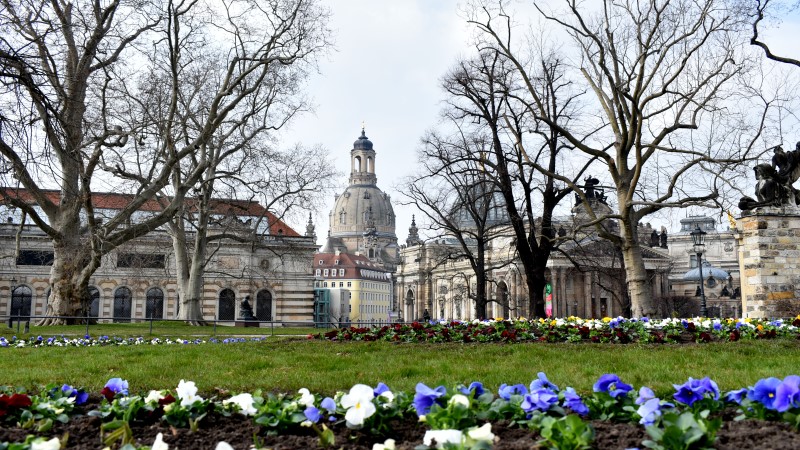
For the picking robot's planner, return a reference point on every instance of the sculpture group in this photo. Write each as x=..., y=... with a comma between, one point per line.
x=775, y=180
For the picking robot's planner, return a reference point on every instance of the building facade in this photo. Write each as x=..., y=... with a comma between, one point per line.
x=138, y=279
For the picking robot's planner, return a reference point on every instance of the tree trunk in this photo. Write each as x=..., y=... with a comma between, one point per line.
x=536, y=282
x=67, y=287
x=189, y=275
x=641, y=295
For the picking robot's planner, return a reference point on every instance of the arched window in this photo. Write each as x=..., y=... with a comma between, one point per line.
x=21, y=303
x=264, y=305
x=122, y=305
x=502, y=298
x=154, y=309
x=94, y=301
x=226, y=309
x=357, y=164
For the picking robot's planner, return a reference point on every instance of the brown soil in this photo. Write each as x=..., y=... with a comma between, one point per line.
x=240, y=433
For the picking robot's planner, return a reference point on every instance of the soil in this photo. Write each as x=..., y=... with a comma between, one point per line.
x=241, y=433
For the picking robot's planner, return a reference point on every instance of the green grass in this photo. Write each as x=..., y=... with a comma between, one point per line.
x=287, y=364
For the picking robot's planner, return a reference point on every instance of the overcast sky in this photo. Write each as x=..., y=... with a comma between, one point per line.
x=385, y=70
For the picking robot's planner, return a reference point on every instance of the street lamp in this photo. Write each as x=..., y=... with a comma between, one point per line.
x=698, y=238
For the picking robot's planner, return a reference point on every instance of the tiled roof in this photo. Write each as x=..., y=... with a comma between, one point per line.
x=106, y=200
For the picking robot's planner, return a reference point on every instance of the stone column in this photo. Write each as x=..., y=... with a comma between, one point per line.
x=769, y=259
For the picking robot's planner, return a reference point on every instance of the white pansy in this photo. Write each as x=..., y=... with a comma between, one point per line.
x=187, y=392
x=387, y=395
x=442, y=437
x=306, y=399
x=358, y=393
x=41, y=444
x=222, y=445
x=159, y=443
x=388, y=445
x=358, y=413
x=483, y=433
x=459, y=399
x=244, y=402
x=153, y=396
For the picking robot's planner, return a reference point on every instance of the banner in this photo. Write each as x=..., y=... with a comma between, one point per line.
x=548, y=305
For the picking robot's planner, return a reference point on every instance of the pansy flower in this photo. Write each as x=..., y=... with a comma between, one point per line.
x=611, y=384
x=425, y=397
x=764, y=392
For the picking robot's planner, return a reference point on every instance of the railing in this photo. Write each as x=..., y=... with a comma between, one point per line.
x=255, y=324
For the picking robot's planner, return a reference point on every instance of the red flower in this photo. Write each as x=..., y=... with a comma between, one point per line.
x=704, y=337
x=13, y=401
x=735, y=335
x=166, y=400
x=108, y=394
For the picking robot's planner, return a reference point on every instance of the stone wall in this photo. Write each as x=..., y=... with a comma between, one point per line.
x=769, y=262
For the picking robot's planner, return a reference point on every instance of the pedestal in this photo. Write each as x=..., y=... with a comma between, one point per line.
x=769, y=262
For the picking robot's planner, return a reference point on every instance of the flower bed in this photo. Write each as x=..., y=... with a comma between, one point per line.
x=614, y=415
x=105, y=341
x=573, y=329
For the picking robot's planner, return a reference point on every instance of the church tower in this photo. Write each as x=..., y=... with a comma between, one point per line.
x=362, y=220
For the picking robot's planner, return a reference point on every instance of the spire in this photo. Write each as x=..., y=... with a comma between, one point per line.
x=413, y=233
x=310, y=229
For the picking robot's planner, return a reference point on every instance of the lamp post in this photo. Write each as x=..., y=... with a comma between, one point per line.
x=698, y=238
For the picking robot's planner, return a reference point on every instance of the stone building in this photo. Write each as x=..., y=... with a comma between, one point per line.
x=353, y=270
x=137, y=280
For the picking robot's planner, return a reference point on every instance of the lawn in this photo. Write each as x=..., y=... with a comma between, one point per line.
x=287, y=364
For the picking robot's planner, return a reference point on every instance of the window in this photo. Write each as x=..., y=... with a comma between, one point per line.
x=320, y=262
x=341, y=284
x=336, y=263
x=325, y=284
x=34, y=258
x=319, y=272
x=692, y=261
x=21, y=300
x=141, y=261
x=349, y=284
x=341, y=272
x=122, y=305
x=325, y=273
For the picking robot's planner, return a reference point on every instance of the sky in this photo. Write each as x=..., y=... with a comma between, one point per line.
x=385, y=71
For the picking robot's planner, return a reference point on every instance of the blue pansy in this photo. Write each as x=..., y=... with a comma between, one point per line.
x=475, y=386
x=506, y=391
x=118, y=386
x=737, y=396
x=649, y=411
x=539, y=400
x=380, y=389
x=328, y=404
x=80, y=396
x=425, y=397
x=543, y=383
x=764, y=392
x=787, y=394
x=694, y=390
x=612, y=384
x=574, y=402
x=645, y=394
x=312, y=414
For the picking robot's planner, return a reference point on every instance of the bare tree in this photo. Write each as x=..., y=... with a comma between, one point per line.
x=116, y=95
x=455, y=192
x=759, y=11
x=662, y=74
x=486, y=94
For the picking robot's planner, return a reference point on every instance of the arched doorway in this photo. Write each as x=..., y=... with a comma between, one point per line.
x=21, y=299
x=122, y=305
x=264, y=305
x=226, y=307
x=154, y=309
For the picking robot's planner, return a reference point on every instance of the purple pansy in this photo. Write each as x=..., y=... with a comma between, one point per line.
x=694, y=390
x=737, y=396
x=312, y=414
x=328, y=404
x=380, y=389
x=80, y=396
x=649, y=411
x=475, y=386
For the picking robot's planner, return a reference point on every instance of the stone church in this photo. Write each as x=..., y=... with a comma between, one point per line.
x=354, y=269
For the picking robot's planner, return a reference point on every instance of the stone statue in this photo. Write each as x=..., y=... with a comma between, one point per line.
x=654, y=239
x=774, y=181
x=663, y=237
x=245, y=310
x=591, y=190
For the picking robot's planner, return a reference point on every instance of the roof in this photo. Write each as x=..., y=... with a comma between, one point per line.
x=354, y=266
x=108, y=200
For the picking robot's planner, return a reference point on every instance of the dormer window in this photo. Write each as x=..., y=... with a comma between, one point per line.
x=320, y=262
x=336, y=262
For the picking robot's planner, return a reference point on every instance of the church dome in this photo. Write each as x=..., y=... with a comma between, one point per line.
x=361, y=207
x=362, y=143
